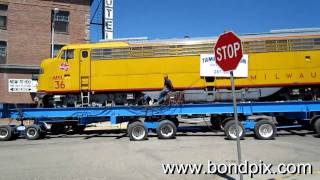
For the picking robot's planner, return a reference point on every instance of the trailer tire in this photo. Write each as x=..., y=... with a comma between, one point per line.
x=137, y=131
x=33, y=132
x=224, y=122
x=130, y=122
x=316, y=126
x=216, y=122
x=230, y=130
x=175, y=121
x=6, y=133
x=78, y=129
x=282, y=121
x=166, y=130
x=265, y=130
x=43, y=132
x=57, y=128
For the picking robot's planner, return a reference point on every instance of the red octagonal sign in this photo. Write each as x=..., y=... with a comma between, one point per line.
x=228, y=51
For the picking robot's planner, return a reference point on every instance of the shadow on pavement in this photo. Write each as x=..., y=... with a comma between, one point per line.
x=225, y=176
x=294, y=132
x=119, y=134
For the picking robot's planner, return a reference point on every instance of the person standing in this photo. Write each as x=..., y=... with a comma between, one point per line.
x=167, y=87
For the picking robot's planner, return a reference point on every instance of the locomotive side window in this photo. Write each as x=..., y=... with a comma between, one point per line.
x=84, y=54
x=107, y=53
x=101, y=53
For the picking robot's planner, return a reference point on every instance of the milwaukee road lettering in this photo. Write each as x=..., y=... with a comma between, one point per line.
x=284, y=76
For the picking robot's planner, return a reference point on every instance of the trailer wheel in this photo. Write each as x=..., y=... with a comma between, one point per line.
x=166, y=130
x=265, y=130
x=130, y=122
x=33, y=132
x=78, y=129
x=175, y=121
x=43, y=132
x=231, y=131
x=224, y=122
x=6, y=133
x=137, y=131
x=216, y=122
x=57, y=128
x=317, y=126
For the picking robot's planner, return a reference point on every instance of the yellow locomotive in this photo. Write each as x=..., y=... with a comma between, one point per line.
x=282, y=66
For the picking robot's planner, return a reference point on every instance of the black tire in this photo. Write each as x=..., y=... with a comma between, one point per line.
x=230, y=130
x=137, y=131
x=282, y=121
x=43, y=132
x=6, y=133
x=215, y=122
x=78, y=129
x=33, y=132
x=265, y=130
x=175, y=121
x=166, y=130
x=316, y=126
x=224, y=121
x=130, y=122
x=57, y=128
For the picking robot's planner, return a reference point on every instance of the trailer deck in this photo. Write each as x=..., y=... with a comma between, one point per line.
x=163, y=118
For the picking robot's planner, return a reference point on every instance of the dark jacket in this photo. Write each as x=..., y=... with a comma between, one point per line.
x=168, y=84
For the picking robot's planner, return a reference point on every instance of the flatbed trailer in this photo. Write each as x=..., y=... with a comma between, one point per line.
x=264, y=118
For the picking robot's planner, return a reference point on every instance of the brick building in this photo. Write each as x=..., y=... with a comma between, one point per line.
x=25, y=36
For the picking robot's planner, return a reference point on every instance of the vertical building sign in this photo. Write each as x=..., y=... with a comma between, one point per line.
x=108, y=19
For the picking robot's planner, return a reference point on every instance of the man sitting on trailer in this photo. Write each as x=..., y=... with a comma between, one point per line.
x=167, y=87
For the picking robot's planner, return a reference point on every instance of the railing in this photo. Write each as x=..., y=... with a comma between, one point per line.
x=147, y=50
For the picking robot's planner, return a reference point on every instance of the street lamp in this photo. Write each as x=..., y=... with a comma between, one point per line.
x=55, y=12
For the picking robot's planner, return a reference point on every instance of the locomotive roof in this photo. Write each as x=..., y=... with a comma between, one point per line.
x=272, y=35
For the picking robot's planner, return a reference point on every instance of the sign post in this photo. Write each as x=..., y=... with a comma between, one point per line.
x=236, y=119
x=228, y=53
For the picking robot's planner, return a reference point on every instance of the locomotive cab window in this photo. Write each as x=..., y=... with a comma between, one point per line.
x=67, y=54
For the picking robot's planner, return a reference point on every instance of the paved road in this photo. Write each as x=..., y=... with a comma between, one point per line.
x=113, y=156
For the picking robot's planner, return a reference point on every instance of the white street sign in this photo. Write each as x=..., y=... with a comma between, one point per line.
x=22, y=85
x=108, y=19
x=209, y=67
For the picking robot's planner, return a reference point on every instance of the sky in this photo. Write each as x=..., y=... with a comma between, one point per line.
x=162, y=19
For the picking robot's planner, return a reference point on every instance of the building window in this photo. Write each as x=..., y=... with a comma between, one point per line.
x=3, y=16
x=56, y=49
x=61, y=22
x=3, y=52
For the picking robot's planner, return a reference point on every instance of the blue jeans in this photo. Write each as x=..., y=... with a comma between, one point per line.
x=163, y=94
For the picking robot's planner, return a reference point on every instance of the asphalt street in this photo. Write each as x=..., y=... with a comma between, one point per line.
x=102, y=156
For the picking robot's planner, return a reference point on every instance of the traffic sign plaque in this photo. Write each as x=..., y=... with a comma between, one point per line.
x=22, y=85
x=228, y=51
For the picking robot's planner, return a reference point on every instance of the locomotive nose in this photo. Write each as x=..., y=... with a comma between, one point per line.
x=41, y=81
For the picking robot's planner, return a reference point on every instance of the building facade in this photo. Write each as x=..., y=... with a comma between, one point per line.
x=25, y=36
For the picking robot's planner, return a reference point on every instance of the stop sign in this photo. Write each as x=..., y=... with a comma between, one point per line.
x=228, y=51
